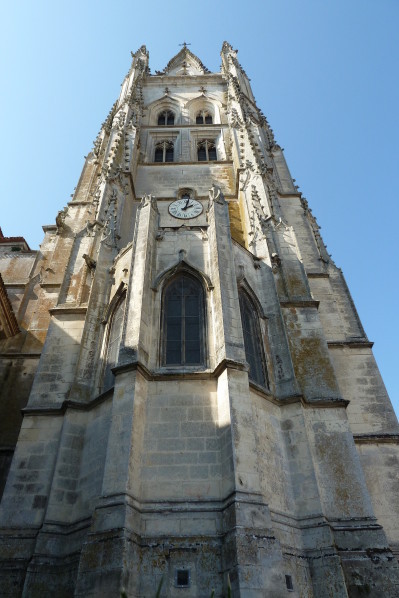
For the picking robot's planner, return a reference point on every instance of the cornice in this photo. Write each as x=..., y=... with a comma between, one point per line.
x=67, y=310
x=10, y=355
x=317, y=275
x=376, y=438
x=300, y=303
x=155, y=80
x=360, y=344
x=171, y=164
x=192, y=126
x=16, y=284
x=151, y=376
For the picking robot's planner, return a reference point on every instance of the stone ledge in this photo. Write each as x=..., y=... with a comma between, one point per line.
x=163, y=164
x=200, y=374
x=20, y=355
x=326, y=402
x=68, y=404
x=289, y=194
x=350, y=344
x=301, y=303
x=47, y=285
x=67, y=310
x=317, y=275
x=376, y=438
x=197, y=127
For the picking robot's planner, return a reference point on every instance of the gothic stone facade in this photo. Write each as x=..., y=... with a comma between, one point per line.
x=200, y=403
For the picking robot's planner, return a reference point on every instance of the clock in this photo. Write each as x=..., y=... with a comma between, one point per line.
x=186, y=207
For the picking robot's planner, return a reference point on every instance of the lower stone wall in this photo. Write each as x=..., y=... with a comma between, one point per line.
x=181, y=457
x=380, y=460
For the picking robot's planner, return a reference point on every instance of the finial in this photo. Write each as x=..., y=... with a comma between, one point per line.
x=184, y=44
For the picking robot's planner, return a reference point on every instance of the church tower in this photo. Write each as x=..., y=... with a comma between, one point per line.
x=200, y=403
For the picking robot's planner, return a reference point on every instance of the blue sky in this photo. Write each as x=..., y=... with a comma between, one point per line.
x=324, y=72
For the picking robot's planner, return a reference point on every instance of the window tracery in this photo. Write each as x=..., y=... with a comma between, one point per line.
x=166, y=117
x=203, y=117
x=206, y=150
x=183, y=322
x=164, y=152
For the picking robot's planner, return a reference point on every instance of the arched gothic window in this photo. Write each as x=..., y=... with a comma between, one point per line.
x=164, y=152
x=183, y=322
x=203, y=118
x=166, y=118
x=113, y=340
x=206, y=151
x=254, y=351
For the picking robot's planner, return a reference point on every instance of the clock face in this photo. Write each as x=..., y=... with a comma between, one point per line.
x=185, y=208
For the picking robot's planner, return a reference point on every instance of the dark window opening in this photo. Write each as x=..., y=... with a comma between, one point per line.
x=166, y=118
x=206, y=151
x=158, y=154
x=254, y=352
x=211, y=152
x=183, y=322
x=182, y=578
x=201, y=153
x=203, y=117
x=164, y=152
x=113, y=343
x=288, y=582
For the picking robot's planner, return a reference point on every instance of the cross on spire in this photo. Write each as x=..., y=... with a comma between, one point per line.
x=184, y=44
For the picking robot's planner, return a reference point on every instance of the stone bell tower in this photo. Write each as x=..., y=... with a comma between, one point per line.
x=206, y=409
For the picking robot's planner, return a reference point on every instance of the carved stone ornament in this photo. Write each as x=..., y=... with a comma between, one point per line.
x=148, y=199
x=60, y=220
x=91, y=264
x=119, y=120
x=216, y=195
x=97, y=145
x=228, y=48
x=276, y=262
x=235, y=120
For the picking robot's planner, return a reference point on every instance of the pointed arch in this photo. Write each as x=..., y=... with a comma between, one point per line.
x=183, y=337
x=251, y=312
x=114, y=322
x=180, y=266
x=243, y=285
x=156, y=107
x=111, y=306
x=206, y=104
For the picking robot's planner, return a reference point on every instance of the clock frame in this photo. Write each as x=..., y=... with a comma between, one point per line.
x=185, y=208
